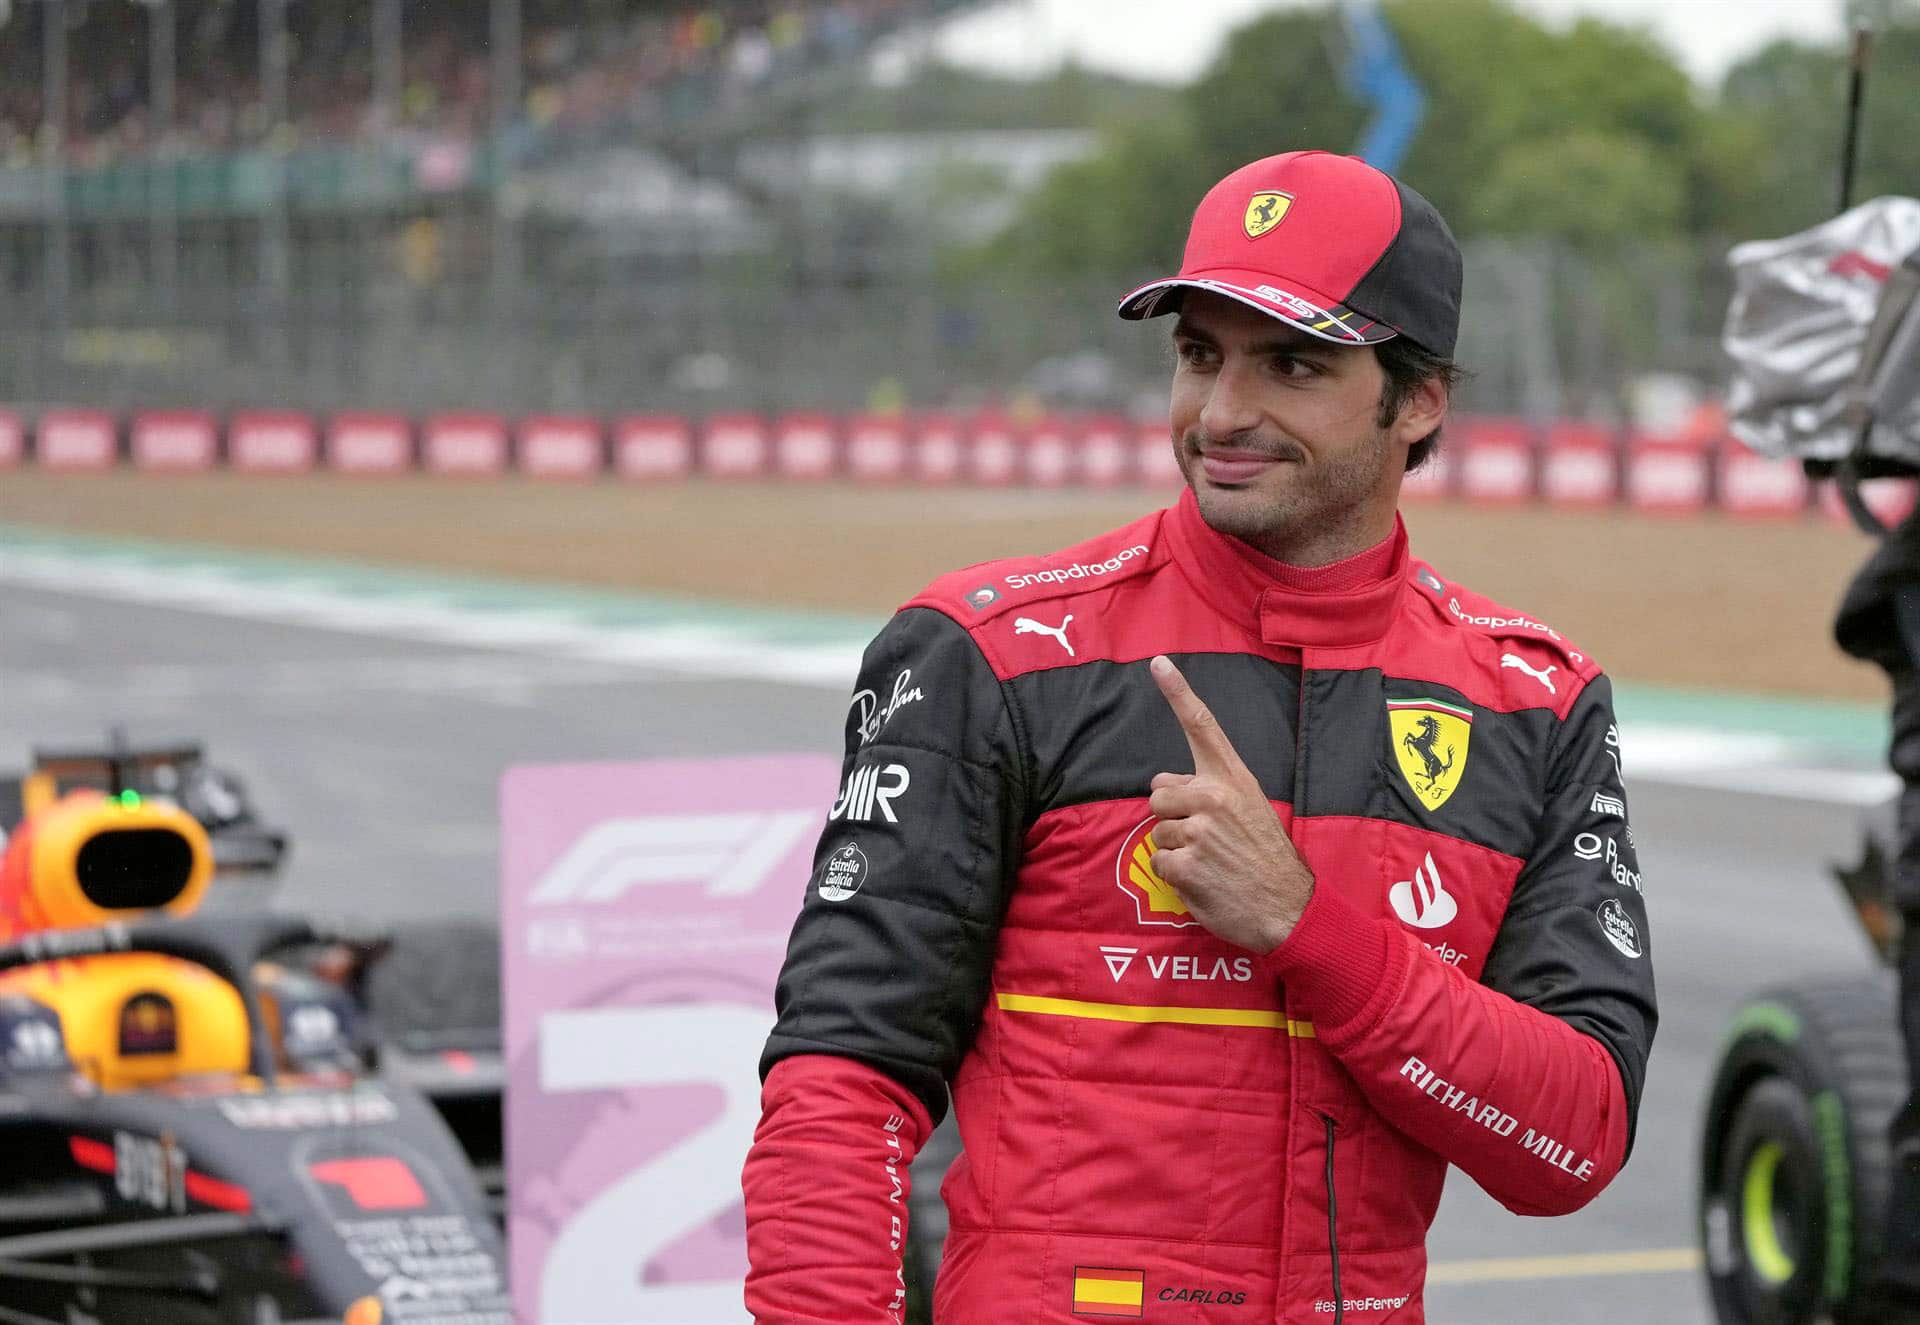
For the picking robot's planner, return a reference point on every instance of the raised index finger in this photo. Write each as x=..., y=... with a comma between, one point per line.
x=1212, y=751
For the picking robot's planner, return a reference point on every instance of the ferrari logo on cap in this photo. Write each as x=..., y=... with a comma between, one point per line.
x=1265, y=211
x=1430, y=740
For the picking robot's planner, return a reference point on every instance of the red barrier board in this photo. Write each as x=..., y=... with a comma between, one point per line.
x=462, y=444
x=1668, y=475
x=13, y=440
x=1105, y=458
x=939, y=452
x=1580, y=468
x=1759, y=485
x=804, y=446
x=1154, y=460
x=272, y=442
x=363, y=443
x=1891, y=499
x=1496, y=460
x=1053, y=452
x=877, y=448
x=994, y=457
x=734, y=446
x=76, y=439
x=652, y=446
x=562, y=446
x=176, y=440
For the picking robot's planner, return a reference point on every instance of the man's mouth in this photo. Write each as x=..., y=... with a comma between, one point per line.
x=1226, y=465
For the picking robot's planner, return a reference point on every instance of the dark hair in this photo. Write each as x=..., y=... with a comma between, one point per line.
x=1407, y=366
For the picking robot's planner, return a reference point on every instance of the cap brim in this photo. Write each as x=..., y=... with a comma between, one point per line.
x=1313, y=315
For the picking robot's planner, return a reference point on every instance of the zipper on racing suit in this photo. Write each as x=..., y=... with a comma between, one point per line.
x=1333, y=1225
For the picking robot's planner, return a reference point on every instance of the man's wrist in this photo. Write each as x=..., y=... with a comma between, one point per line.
x=1335, y=958
x=1283, y=925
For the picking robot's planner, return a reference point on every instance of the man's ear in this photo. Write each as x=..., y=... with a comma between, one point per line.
x=1424, y=410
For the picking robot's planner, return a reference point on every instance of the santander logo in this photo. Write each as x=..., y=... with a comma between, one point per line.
x=1424, y=901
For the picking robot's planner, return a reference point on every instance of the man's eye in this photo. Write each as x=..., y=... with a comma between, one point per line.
x=1192, y=352
x=1290, y=366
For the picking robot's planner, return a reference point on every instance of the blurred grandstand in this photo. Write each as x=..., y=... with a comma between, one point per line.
x=598, y=205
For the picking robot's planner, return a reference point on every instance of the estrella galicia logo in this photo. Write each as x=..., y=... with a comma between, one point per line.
x=843, y=873
x=1619, y=928
x=983, y=597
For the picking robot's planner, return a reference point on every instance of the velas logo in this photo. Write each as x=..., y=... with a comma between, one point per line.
x=1265, y=211
x=1154, y=899
x=1430, y=741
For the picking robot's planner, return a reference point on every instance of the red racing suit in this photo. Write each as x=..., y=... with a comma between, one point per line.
x=1156, y=1124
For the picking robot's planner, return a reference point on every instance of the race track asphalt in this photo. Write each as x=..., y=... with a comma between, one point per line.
x=383, y=756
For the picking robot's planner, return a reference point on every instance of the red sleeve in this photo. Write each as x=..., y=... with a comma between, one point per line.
x=826, y=1189
x=1529, y=1107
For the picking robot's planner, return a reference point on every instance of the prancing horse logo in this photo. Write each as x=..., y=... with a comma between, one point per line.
x=1430, y=739
x=1264, y=212
x=1422, y=741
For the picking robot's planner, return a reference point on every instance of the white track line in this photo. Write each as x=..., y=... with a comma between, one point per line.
x=1747, y=763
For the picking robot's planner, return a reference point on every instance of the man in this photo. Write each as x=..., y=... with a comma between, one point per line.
x=1214, y=1036
x=1879, y=622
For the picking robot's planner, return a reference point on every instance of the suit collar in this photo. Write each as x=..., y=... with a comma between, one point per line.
x=1248, y=587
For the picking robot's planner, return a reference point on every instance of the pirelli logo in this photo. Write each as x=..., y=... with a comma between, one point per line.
x=1109, y=1293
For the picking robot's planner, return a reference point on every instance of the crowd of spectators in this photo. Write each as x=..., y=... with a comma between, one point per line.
x=585, y=64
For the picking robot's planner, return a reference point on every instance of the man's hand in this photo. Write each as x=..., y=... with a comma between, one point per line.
x=1221, y=845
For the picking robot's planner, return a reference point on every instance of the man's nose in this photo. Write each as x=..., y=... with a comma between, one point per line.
x=1232, y=403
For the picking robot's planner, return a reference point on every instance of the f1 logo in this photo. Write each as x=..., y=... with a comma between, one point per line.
x=732, y=854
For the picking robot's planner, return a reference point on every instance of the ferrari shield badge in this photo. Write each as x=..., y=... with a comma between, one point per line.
x=1430, y=740
x=1265, y=211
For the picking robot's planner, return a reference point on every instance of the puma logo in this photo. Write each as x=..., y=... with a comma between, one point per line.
x=1028, y=626
x=1544, y=678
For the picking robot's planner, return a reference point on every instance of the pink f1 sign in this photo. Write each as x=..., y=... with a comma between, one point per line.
x=645, y=909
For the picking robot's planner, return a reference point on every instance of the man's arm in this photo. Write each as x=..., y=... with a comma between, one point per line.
x=885, y=975
x=1529, y=1080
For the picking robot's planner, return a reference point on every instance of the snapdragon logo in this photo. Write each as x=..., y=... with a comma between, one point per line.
x=1080, y=570
x=1499, y=622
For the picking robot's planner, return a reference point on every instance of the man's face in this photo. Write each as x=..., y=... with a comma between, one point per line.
x=1278, y=432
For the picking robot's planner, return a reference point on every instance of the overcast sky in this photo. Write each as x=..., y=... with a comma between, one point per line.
x=1171, y=40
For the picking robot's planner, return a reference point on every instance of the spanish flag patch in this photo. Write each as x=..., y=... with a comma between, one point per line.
x=1098, y=1292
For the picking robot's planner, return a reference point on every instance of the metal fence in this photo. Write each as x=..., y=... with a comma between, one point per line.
x=693, y=292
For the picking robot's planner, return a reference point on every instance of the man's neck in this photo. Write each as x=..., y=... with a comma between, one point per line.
x=1308, y=549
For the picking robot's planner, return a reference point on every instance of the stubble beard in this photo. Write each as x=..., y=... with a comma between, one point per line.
x=1313, y=506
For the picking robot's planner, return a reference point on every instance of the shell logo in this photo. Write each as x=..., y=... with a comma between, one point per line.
x=1155, y=900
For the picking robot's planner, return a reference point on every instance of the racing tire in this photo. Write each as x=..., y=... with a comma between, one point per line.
x=1794, y=1160
x=436, y=986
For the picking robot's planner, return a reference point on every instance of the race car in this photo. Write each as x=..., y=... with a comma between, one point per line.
x=243, y=845
x=229, y=1116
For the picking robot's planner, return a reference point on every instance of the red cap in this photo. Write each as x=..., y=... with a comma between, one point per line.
x=1340, y=249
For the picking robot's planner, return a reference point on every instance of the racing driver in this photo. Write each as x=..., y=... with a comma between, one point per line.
x=1235, y=871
